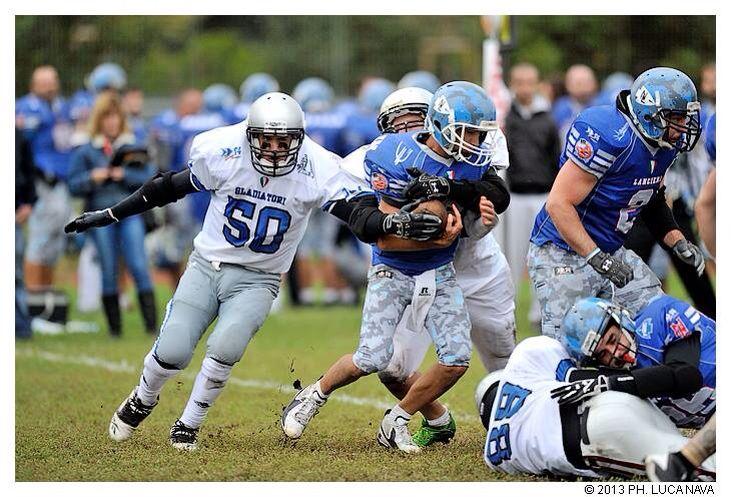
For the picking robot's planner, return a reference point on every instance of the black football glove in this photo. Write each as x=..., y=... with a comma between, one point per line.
x=615, y=270
x=94, y=219
x=425, y=185
x=690, y=254
x=419, y=226
x=576, y=391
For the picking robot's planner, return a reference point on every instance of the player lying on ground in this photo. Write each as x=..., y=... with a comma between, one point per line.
x=459, y=118
x=666, y=354
x=482, y=271
x=682, y=465
x=612, y=170
x=265, y=177
x=528, y=431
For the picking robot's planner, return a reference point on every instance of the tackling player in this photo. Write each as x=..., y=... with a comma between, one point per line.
x=528, y=431
x=265, y=177
x=454, y=165
x=667, y=354
x=614, y=162
x=482, y=274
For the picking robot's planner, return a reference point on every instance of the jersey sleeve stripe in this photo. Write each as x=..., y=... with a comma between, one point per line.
x=606, y=155
x=585, y=167
x=572, y=140
x=601, y=161
x=197, y=183
x=574, y=133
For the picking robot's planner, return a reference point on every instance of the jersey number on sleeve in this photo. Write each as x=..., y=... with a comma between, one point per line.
x=637, y=202
x=271, y=225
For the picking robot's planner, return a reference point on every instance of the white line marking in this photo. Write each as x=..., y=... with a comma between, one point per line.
x=125, y=367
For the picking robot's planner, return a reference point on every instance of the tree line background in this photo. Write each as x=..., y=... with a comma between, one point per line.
x=163, y=54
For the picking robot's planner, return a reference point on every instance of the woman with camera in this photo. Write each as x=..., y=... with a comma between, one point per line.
x=104, y=171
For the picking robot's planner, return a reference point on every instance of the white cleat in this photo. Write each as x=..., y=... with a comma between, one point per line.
x=128, y=417
x=394, y=434
x=300, y=411
x=183, y=437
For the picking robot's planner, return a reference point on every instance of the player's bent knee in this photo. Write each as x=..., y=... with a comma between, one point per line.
x=390, y=377
x=172, y=354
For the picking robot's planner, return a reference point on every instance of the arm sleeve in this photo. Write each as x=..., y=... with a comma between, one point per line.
x=468, y=193
x=366, y=219
x=28, y=194
x=658, y=216
x=160, y=190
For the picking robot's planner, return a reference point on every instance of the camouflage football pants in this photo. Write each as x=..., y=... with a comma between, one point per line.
x=560, y=278
x=389, y=292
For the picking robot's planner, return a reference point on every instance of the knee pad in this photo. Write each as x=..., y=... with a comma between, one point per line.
x=172, y=354
x=216, y=373
x=388, y=376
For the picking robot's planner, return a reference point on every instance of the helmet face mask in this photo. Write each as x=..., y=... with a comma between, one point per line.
x=461, y=149
x=274, y=162
x=688, y=127
x=275, y=133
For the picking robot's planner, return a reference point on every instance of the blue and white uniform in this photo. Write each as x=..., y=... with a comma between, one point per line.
x=664, y=321
x=711, y=138
x=603, y=142
x=425, y=280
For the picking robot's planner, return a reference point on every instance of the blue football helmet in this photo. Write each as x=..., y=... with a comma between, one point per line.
x=314, y=95
x=219, y=97
x=585, y=324
x=420, y=79
x=373, y=93
x=658, y=97
x=105, y=77
x=455, y=108
x=257, y=85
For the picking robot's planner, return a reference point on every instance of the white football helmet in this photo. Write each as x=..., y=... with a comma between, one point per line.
x=484, y=385
x=411, y=100
x=275, y=114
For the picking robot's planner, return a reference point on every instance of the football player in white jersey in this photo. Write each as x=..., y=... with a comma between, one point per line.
x=265, y=177
x=482, y=273
x=530, y=429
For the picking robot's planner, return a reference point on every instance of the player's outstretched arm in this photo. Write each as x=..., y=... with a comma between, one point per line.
x=160, y=190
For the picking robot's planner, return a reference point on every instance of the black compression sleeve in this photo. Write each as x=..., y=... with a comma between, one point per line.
x=658, y=216
x=468, y=193
x=160, y=190
x=675, y=380
x=342, y=210
x=687, y=350
x=366, y=220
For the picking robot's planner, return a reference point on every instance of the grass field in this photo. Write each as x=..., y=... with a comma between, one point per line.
x=68, y=386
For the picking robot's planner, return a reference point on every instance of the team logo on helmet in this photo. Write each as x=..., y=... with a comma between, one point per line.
x=584, y=149
x=379, y=182
x=442, y=106
x=645, y=98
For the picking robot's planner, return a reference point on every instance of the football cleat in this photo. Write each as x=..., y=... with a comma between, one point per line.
x=128, y=417
x=667, y=467
x=428, y=434
x=300, y=411
x=183, y=437
x=394, y=434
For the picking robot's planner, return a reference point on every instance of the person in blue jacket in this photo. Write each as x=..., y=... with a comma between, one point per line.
x=103, y=172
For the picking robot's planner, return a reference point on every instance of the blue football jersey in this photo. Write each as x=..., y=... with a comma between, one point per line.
x=602, y=141
x=80, y=105
x=326, y=129
x=385, y=165
x=361, y=128
x=666, y=320
x=711, y=138
x=46, y=126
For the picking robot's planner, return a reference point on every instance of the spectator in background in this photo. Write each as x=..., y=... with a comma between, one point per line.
x=25, y=197
x=551, y=87
x=99, y=176
x=708, y=91
x=133, y=101
x=581, y=86
x=534, y=151
x=42, y=118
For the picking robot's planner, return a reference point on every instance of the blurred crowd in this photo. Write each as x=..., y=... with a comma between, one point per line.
x=90, y=150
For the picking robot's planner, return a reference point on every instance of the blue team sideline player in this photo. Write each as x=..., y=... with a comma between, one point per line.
x=669, y=349
x=613, y=165
x=454, y=165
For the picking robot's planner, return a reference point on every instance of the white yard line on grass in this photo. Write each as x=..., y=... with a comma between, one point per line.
x=125, y=367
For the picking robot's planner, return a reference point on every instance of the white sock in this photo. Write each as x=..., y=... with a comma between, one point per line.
x=152, y=379
x=207, y=387
x=318, y=389
x=442, y=420
x=398, y=412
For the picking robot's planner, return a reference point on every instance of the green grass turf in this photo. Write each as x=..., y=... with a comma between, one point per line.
x=68, y=386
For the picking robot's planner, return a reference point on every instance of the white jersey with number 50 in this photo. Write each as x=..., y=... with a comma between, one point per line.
x=525, y=433
x=256, y=220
